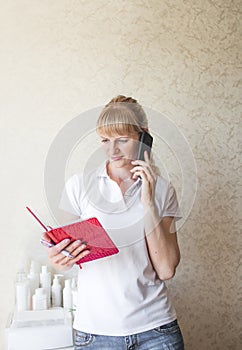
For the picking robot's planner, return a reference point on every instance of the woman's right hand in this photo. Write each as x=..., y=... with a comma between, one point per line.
x=61, y=262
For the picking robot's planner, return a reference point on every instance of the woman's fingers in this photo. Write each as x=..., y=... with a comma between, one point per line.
x=139, y=172
x=138, y=169
x=79, y=253
x=148, y=176
x=56, y=249
x=140, y=165
x=77, y=250
x=65, y=254
x=46, y=237
x=146, y=157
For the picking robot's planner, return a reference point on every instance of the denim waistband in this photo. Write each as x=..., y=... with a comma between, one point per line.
x=168, y=325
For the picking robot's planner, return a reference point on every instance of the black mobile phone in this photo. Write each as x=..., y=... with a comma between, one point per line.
x=145, y=144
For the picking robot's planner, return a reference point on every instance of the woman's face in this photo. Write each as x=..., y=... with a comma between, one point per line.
x=120, y=149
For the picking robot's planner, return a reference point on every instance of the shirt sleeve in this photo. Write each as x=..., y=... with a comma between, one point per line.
x=166, y=199
x=69, y=201
x=171, y=206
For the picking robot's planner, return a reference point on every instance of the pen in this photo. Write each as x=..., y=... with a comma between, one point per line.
x=49, y=245
x=38, y=219
x=47, y=228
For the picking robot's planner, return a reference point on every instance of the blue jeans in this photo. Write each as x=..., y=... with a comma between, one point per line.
x=166, y=337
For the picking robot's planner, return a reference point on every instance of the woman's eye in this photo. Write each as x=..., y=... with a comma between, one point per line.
x=123, y=140
x=118, y=140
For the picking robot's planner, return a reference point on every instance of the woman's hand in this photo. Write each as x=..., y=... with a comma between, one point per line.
x=61, y=262
x=144, y=170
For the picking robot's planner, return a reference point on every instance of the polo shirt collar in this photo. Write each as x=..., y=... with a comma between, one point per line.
x=102, y=173
x=102, y=170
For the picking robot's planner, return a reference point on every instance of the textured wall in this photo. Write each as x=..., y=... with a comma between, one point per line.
x=59, y=58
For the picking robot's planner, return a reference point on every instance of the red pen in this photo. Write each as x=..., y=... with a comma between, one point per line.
x=48, y=228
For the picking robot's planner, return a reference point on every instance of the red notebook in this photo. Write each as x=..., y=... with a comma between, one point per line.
x=89, y=231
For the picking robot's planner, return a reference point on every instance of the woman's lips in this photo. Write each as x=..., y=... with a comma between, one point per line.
x=116, y=158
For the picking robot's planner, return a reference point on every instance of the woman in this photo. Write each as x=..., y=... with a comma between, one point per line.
x=123, y=302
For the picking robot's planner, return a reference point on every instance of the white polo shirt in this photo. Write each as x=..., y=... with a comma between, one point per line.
x=121, y=294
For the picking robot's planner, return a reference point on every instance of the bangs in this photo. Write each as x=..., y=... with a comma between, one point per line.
x=117, y=129
x=117, y=120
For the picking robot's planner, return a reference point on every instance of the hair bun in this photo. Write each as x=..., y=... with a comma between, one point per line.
x=122, y=98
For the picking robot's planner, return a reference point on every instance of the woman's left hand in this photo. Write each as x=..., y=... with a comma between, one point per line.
x=144, y=170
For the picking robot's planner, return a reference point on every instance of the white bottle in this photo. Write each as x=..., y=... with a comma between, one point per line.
x=39, y=299
x=74, y=295
x=22, y=291
x=56, y=292
x=33, y=278
x=67, y=295
x=73, y=283
x=45, y=282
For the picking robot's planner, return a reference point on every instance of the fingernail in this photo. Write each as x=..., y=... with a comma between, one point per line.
x=78, y=241
x=67, y=240
x=83, y=246
x=86, y=252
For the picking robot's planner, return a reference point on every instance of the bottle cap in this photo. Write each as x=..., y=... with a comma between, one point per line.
x=56, y=281
x=33, y=267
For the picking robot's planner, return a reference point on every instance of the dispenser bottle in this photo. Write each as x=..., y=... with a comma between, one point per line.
x=56, y=292
x=45, y=282
x=39, y=299
x=67, y=295
x=22, y=291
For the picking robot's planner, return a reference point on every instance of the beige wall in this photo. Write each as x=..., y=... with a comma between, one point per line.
x=60, y=58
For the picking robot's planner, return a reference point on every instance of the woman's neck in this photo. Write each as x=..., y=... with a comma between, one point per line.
x=119, y=175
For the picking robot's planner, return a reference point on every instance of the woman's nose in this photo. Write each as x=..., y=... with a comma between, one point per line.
x=114, y=147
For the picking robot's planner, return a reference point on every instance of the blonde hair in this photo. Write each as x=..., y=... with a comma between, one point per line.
x=122, y=115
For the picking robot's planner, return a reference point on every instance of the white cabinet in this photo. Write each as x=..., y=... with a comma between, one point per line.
x=40, y=330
